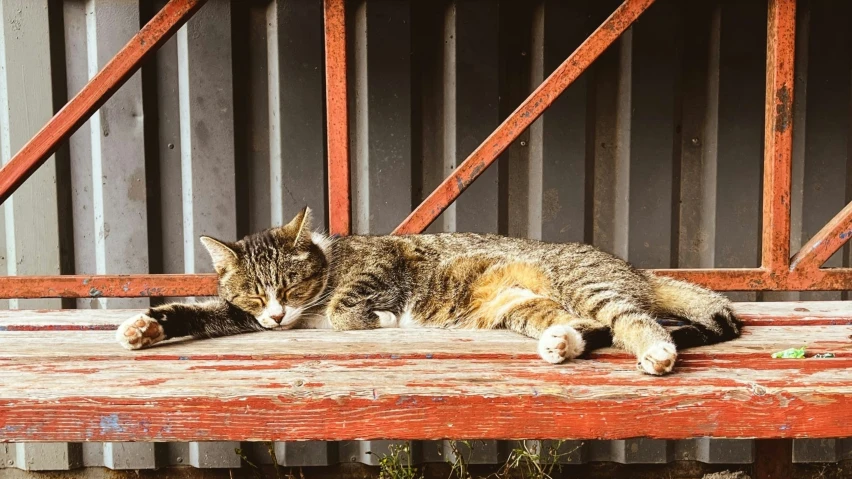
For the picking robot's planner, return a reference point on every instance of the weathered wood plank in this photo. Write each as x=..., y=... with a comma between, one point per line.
x=799, y=313
x=331, y=400
x=755, y=346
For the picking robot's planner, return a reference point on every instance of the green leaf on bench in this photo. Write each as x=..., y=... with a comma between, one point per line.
x=792, y=353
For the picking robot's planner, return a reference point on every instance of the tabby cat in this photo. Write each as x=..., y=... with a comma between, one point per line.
x=571, y=297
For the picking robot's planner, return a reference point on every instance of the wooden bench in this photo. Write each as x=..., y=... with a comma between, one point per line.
x=63, y=378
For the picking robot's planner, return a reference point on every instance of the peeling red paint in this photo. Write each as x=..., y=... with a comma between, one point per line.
x=337, y=117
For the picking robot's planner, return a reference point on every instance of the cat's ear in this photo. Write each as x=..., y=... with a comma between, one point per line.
x=300, y=226
x=223, y=256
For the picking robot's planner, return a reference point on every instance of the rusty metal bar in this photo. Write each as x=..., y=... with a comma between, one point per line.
x=108, y=286
x=778, y=134
x=99, y=89
x=177, y=285
x=337, y=117
x=825, y=243
x=728, y=279
x=522, y=117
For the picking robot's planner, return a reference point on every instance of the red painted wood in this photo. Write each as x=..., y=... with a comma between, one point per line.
x=99, y=89
x=325, y=401
x=93, y=344
x=413, y=384
x=108, y=286
x=337, y=117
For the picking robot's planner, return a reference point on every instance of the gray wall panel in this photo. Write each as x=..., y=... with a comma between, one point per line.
x=742, y=70
x=828, y=127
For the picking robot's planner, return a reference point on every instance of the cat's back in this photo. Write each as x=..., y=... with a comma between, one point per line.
x=447, y=246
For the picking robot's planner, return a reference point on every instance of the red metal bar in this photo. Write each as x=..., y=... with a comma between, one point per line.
x=778, y=136
x=177, y=285
x=99, y=89
x=523, y=117
x=825, y=243
x=337, y=117
x=108, y=286
x=745, y=279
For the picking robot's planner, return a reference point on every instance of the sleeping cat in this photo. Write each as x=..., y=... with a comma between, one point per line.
x=571, y=297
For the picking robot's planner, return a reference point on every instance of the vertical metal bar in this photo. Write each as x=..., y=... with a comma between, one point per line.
x=778, y=137
x=338, y=117
x=99, y=89
x=523, y=117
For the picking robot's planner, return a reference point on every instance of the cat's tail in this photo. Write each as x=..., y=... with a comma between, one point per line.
x=709, y=315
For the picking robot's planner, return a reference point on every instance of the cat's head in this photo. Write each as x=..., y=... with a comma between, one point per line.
x=273, y=275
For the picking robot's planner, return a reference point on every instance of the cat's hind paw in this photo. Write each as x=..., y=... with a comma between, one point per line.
x=139, y=332
x=560, y=342
x=659, y=359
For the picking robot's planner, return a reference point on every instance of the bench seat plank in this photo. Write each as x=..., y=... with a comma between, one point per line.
x=755, y=344
x=174, y=400
x=60, y=382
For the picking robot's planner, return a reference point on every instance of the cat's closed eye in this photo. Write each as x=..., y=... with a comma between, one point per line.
x=256, y=301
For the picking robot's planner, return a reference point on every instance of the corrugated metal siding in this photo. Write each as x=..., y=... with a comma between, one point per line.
x=655, y=153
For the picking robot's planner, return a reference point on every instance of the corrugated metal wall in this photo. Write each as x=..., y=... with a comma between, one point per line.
x=655, y=153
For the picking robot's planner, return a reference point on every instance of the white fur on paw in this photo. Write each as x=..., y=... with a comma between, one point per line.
x=560, y=342
x=139, y=332
x=659, y=359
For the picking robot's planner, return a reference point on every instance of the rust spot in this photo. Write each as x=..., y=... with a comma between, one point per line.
x=783, y=109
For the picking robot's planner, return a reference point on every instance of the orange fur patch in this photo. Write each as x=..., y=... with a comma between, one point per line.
x=502, y=287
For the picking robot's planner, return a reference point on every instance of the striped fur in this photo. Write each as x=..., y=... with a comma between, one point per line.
x=572, y=297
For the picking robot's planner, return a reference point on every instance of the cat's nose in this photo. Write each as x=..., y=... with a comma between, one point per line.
x=277, y=317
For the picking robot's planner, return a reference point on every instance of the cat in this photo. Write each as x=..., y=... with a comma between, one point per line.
x=571, y=297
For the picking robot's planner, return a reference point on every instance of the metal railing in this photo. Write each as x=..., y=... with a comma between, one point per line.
x=779, y=270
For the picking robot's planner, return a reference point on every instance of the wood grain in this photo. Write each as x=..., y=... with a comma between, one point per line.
x=174, y=400
x=793, y=313
x=79, y=385
x=756, y=344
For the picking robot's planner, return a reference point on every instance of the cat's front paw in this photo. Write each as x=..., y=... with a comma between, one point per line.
x=139, y=332
x=560, y=342
x=659, y=359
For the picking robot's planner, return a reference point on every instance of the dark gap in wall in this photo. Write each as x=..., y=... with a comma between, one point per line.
x=151, y=120
x=324, y=126
x=419, y=50
x=351, y=8
x=677, y=136
x=592, y=74
x=515, y=33
x=427, y=90
x=241, y=82
x=64, y=193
